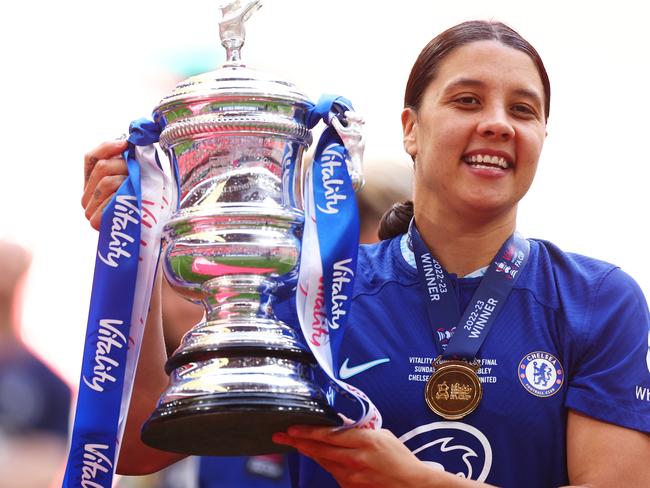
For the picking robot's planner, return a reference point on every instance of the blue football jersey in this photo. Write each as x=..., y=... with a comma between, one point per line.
x=573, y=334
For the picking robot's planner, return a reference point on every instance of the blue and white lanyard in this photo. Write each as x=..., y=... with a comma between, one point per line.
x=329, y=253
x=443, y=310
x=127, y=253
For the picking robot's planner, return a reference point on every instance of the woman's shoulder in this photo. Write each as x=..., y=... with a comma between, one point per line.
x=547, y=257
x=555, y=275
x=571, y=262
x=381, y=263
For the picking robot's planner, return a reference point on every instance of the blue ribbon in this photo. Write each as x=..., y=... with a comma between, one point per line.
x=337, y=216
x=486, y=303
x=143, y=132
x=91, y=460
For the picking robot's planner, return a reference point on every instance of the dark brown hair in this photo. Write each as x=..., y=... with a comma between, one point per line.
x=395, y=221
x=396, y=217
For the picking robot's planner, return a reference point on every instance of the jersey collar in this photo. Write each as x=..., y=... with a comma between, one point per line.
x=409, y=257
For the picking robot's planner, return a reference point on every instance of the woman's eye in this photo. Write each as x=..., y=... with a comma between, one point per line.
x=522, y=109
x=467, y=100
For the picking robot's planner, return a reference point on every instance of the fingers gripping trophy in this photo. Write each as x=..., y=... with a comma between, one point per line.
x=237, y=137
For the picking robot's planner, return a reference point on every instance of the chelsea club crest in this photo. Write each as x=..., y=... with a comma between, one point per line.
x=541, y=373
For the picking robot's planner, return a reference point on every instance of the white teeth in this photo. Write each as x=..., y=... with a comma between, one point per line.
x=484, y=158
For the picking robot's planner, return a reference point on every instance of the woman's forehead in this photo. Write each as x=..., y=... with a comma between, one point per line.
x=483, y=63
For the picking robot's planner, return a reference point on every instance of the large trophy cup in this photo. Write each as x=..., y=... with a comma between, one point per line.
x=237, y=137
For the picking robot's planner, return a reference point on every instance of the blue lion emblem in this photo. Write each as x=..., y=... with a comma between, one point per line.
x=542, y=374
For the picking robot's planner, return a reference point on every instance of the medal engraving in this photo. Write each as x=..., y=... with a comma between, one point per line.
x=453, y=390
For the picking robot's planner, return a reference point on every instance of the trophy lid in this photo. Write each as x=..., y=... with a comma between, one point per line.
x=233, y=81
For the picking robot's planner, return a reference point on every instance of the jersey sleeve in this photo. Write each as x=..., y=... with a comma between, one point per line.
x=611, y=379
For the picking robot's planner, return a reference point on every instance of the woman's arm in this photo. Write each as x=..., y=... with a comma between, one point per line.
x=150, y=382
x=606, y=455
x=104, y=172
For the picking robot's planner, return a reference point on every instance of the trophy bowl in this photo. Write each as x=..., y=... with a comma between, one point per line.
x=237, y=137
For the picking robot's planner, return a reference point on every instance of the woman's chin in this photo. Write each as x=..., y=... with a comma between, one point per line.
x=488, y=206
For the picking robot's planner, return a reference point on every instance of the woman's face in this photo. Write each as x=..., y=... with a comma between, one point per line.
x=478, y=134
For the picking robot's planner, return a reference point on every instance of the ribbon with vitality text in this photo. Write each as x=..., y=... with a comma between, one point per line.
x=329, y=253
x=127, y=254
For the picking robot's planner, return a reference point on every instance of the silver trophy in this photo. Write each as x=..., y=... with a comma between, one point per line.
x=237, y=137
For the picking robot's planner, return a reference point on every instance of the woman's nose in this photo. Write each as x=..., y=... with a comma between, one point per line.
x=495, y=124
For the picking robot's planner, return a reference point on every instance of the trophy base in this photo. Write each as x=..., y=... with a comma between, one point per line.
x=212, y=425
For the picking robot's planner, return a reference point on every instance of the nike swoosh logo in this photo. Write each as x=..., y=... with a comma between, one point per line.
x=347, y=371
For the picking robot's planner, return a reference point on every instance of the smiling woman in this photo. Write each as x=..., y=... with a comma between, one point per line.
x=522, y=340
x=528, y=341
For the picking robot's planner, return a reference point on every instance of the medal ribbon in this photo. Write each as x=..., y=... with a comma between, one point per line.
x=125, y=266
x=329, y=253
x=486, y=303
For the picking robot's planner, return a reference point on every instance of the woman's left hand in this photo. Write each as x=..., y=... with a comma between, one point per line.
x=359, y=457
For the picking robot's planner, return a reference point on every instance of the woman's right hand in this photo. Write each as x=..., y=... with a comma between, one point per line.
x=104, y=172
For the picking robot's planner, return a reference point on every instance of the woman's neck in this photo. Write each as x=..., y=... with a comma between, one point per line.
x=461, y=245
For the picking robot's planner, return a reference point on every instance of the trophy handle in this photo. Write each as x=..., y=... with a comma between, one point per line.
x=350, y=130
x=231, y=27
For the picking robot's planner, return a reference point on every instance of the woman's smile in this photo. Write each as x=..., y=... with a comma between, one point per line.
x=488, y=163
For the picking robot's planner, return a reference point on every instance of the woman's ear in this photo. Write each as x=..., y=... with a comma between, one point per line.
x=409, y=130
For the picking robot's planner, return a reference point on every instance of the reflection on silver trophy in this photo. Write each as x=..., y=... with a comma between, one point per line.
x=237, y=137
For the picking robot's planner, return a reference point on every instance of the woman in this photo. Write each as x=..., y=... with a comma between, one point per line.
x=563, y=348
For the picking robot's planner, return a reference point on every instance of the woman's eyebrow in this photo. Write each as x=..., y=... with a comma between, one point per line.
x=464, y=82
x=531, y=94
x=474, y=83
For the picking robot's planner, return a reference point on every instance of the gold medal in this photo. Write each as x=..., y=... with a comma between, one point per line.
x=453, y=390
